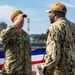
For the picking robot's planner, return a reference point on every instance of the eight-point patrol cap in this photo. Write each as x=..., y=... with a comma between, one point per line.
x=58, y=6
x=16, y=14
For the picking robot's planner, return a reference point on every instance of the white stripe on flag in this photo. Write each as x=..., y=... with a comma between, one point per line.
x=36, y=57
x=1, y=61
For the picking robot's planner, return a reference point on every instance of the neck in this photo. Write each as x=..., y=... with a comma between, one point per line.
x=56, y=18
x=18, y=30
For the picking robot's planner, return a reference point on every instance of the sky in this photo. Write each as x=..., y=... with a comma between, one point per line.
x=35, y=10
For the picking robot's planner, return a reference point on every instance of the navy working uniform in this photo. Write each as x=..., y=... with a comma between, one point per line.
x=17, y=51
x=60, y=50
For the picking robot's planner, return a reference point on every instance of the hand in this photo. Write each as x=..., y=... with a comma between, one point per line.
x=18, y=20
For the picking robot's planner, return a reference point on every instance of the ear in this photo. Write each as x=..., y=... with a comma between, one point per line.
x=55, y=13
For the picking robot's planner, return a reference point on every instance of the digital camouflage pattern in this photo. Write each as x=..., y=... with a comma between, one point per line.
x=60, y=50
x=17, y=52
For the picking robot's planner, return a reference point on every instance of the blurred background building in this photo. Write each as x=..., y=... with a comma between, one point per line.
x=3, y=25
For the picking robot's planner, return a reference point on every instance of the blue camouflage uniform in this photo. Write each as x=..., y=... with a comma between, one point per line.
x=17, y=52
x=60, y=50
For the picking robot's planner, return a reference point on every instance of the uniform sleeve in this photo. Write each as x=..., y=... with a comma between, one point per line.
x=7, y=33
x=52, y=50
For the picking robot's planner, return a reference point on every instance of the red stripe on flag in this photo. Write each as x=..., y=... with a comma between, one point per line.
x=37, y=62
x=1, y=65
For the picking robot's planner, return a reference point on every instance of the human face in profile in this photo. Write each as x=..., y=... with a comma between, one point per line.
x=51, y=16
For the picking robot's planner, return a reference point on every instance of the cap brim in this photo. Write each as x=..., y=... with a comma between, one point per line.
x=24, y=15
x=47, y=11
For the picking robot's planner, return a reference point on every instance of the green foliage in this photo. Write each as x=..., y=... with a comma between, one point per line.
x=38, y=37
